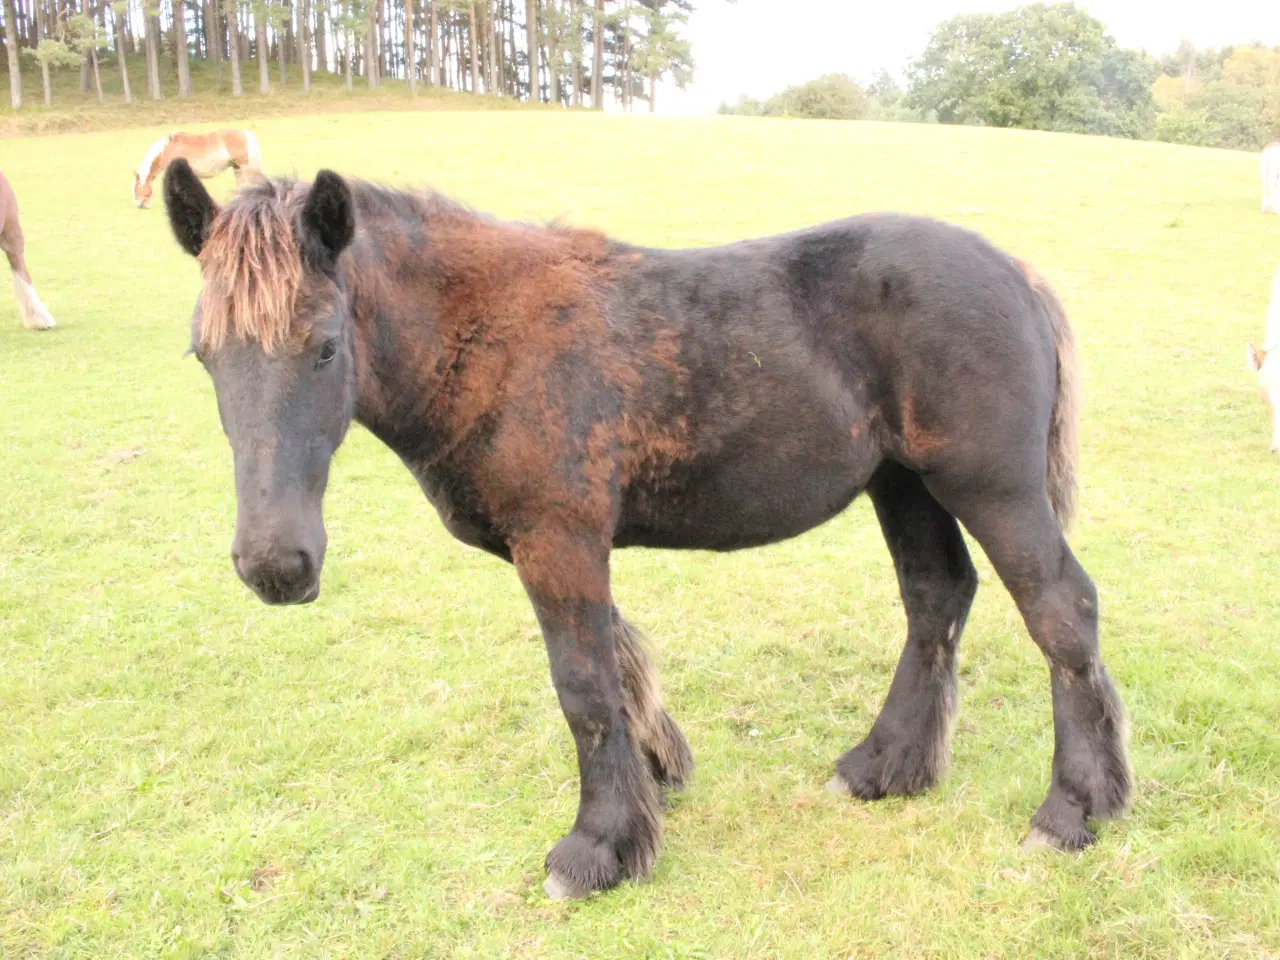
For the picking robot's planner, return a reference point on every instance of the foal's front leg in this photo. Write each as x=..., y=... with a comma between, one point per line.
x=618, y=829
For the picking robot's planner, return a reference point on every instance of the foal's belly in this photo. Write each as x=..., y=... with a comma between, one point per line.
x=752, y=496
x=211, y=164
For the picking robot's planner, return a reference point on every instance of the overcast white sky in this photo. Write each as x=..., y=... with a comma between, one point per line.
x=745, y=47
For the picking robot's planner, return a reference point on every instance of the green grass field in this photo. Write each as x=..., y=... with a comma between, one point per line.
x=185, y=772
x=211, y=99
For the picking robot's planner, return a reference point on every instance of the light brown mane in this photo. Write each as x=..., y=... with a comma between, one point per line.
x=252, y=268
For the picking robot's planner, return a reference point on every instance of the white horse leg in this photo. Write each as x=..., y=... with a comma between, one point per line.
x=33, y=312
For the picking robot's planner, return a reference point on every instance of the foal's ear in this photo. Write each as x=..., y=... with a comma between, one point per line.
x=191, y=209
x=328, y=221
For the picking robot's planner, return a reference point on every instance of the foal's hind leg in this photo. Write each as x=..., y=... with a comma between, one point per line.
x=1059, y=604
x=908, y=747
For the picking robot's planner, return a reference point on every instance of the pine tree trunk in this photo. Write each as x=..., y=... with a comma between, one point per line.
x=500, y=43
x=208, y=32
x=260, y=45
x=119, y=54
x=474, y=47
x=180, y=45
x=410, y=54
x=576, y=23
x=597, y=59
x=11, y=53
x=173, y=46
x=97, y=74
x=282, y=43
x=553, y=50
x=379, y=41
x=370, y=42
x=85, y=10
x=491, y=52
x=322, y=41
x=531, y=48
x=304, y=43
x=653, y=91
x=628, y=90
x=152, y=25
x=123, y=17
x=433, y=46
x=120, y=46
x=348, y=56
x=44, y=66
x=233, y=46
x=446, y=49
x=214, y=33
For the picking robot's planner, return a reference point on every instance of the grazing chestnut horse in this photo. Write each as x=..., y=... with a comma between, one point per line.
x=208, y=153
x=1264, y=361
x=1271, y=178
x=33, y=312
x=558, y=394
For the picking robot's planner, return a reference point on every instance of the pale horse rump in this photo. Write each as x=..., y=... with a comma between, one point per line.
x=33, y=312
x=1271, y=178
x=1265, y=362
x=209, y=154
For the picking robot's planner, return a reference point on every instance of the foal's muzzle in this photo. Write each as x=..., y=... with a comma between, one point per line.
x=279, y=576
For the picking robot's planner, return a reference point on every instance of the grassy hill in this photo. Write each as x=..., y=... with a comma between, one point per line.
x=187, y=773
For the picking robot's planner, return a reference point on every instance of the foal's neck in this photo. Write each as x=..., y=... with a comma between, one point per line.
x=447, y=304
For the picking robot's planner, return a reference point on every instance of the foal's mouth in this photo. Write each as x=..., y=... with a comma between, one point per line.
x=280, y=588
x=274, y=596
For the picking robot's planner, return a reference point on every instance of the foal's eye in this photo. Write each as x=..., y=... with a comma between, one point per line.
x=327, y=352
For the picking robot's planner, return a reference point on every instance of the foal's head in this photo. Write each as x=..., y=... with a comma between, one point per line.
x=271, y=327
x=1266, y=364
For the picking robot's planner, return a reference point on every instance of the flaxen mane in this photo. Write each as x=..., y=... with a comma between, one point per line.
x=252, y=267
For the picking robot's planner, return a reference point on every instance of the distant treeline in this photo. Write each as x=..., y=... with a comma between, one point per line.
x=1054, y=67
x=570, y=52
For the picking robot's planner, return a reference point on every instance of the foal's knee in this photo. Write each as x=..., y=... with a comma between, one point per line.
x=1066, y=621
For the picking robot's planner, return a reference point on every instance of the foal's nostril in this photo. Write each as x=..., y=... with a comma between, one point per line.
x=307, y=565
x=299, y=568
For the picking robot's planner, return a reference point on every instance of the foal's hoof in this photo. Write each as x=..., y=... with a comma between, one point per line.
x=1039, y=839
x=559, y=887
x=579, y=865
